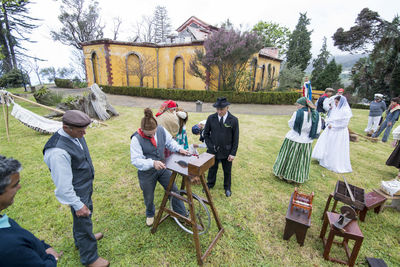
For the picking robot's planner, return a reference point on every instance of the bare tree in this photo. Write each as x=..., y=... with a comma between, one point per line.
x=144, y=67
x=34, y=66
x=162, y=24
x=78, y=64
x=144, y=30
x=116, y=24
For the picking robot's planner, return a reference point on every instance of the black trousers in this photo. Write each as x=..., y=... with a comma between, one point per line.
x=84, y=238
x=212, y=173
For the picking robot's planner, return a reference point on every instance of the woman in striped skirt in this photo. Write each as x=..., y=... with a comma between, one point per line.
x=293, y=161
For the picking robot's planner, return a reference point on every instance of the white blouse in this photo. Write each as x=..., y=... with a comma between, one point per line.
x=305, y=129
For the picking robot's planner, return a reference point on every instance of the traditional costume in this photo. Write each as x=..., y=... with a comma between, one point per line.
x=392, y=116
x=394, y=158
x=167, y=118
x=293, y=161
x=332, y=149
x=307, y=90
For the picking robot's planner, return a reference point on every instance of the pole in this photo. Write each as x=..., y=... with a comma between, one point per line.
x=5, y=120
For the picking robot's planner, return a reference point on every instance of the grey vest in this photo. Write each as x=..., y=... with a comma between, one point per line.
x=150, y=151
x=81, y=164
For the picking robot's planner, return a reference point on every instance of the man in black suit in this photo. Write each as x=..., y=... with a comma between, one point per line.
x=221, y=135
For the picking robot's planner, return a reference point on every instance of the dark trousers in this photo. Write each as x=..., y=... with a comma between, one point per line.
x=148, y=181
x=212, y=173
x=84, y=238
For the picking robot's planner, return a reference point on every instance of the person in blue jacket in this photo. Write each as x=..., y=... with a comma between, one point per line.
x=392, y=115
x=19, y=247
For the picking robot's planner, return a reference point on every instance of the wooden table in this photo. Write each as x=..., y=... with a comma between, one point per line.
x=328, y=203
x=350, y=232
x=395, y=199
x=197, y=166
x=297, y=222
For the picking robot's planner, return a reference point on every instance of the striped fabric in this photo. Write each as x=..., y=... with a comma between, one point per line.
x=293, y=161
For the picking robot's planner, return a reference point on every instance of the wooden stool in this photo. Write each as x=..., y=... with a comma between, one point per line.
x=297, y=222
x=350, y=232
x=374, y=201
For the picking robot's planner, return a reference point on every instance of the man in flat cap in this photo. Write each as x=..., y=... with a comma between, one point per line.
x=67, y=156
x=221, y=135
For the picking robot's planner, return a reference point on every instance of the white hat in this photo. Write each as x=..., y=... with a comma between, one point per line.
x=378, y=96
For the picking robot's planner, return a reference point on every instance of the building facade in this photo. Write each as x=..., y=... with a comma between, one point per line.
x=166, y=65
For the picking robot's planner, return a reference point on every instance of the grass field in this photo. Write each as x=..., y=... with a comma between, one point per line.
x=254, y=217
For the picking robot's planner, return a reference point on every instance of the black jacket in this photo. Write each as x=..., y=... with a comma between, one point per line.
x=222, y=140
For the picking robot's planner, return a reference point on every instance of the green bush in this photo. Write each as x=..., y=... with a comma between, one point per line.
x=63, y=83
x=46, y=97
x=359, y=106
x=275, y=98
x=13, y=79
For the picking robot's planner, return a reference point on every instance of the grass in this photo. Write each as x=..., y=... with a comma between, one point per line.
x=254, y=217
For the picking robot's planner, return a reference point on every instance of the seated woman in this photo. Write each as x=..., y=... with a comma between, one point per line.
x=18, y=247
x=293, y=161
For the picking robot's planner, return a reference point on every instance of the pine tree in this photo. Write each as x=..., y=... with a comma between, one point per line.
x=300, y=44
x=330, y=76
x=319, y=64
x=162, y=24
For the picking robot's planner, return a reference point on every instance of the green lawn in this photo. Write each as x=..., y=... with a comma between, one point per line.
x=254, y=217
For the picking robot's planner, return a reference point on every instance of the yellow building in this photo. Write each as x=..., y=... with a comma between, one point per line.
x=166, y=65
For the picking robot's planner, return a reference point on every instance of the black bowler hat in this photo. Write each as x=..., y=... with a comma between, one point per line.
x=221, y=102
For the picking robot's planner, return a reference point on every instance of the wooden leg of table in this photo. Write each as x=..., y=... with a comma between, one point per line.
x=193, y=220
x=328, y=245
x=363, y=213
x=163, y=203
x=323, y=228
x=210, y=201
x=328, y=202
x=301, y=232
x=289, y=230
x=354, y=253
x=334, y=206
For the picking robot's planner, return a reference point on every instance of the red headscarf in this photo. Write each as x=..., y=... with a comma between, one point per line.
x=166, y=105
x=152, y=139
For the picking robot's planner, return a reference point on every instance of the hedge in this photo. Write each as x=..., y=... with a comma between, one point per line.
x=275, y=98
x=359, y=106
x=63, y=83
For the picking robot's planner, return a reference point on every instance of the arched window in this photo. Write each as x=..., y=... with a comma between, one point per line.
x=262, y=75
x=273, y=76
x=179, y=73
x=133, y=70
x=95, y=67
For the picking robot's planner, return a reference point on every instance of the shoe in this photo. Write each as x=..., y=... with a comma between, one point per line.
x=149, y=221
x=228, y=193
x=100, y=262
x=98, y=236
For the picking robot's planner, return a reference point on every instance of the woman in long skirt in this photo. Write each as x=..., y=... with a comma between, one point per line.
x=332, y=149
x=394, y=158
x=293, y=161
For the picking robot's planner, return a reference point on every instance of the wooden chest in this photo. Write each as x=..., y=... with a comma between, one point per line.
x=197, y=166
x=342, y=194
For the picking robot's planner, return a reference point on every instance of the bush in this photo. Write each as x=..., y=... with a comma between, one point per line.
x=46, y=97
x=275, y=98
x=13, y=79
x=359, y=106
x=63, y=83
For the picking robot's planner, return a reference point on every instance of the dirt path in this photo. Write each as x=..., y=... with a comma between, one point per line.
x=132, y=101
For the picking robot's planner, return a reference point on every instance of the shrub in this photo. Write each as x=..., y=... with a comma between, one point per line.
x=275, y=98
x=63, y=83
x=46, y=97
x=359, y=106
x=13, y=79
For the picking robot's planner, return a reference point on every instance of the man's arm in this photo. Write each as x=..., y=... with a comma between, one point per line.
x=207, y=136
x=235, y=141
x=59, y=163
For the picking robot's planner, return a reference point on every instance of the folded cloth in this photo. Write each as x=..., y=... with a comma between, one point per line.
x=391, y=187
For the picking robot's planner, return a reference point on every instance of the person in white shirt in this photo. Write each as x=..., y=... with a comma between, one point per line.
x=147, y=155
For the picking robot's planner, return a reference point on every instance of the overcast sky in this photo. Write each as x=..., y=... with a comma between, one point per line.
x=326, y=16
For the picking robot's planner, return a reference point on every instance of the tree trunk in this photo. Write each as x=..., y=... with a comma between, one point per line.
x=7, y=64
x=8, y=35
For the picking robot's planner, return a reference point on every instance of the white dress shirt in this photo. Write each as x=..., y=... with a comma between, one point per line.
x=59, y=162
x=140, y=161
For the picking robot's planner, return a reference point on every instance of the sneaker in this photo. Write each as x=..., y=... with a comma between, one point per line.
x=149, y=221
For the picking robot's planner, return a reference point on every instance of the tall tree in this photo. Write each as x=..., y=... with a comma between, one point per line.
x=80, y=23
x=273, y=35
x=144, y=30
x=379, y=38
x=15, y=25
x=290, y=78
x=145, y=67
x=162, y=25
x=330, y=76
x=299, y=53
x=225, y=57
x=319, y=64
